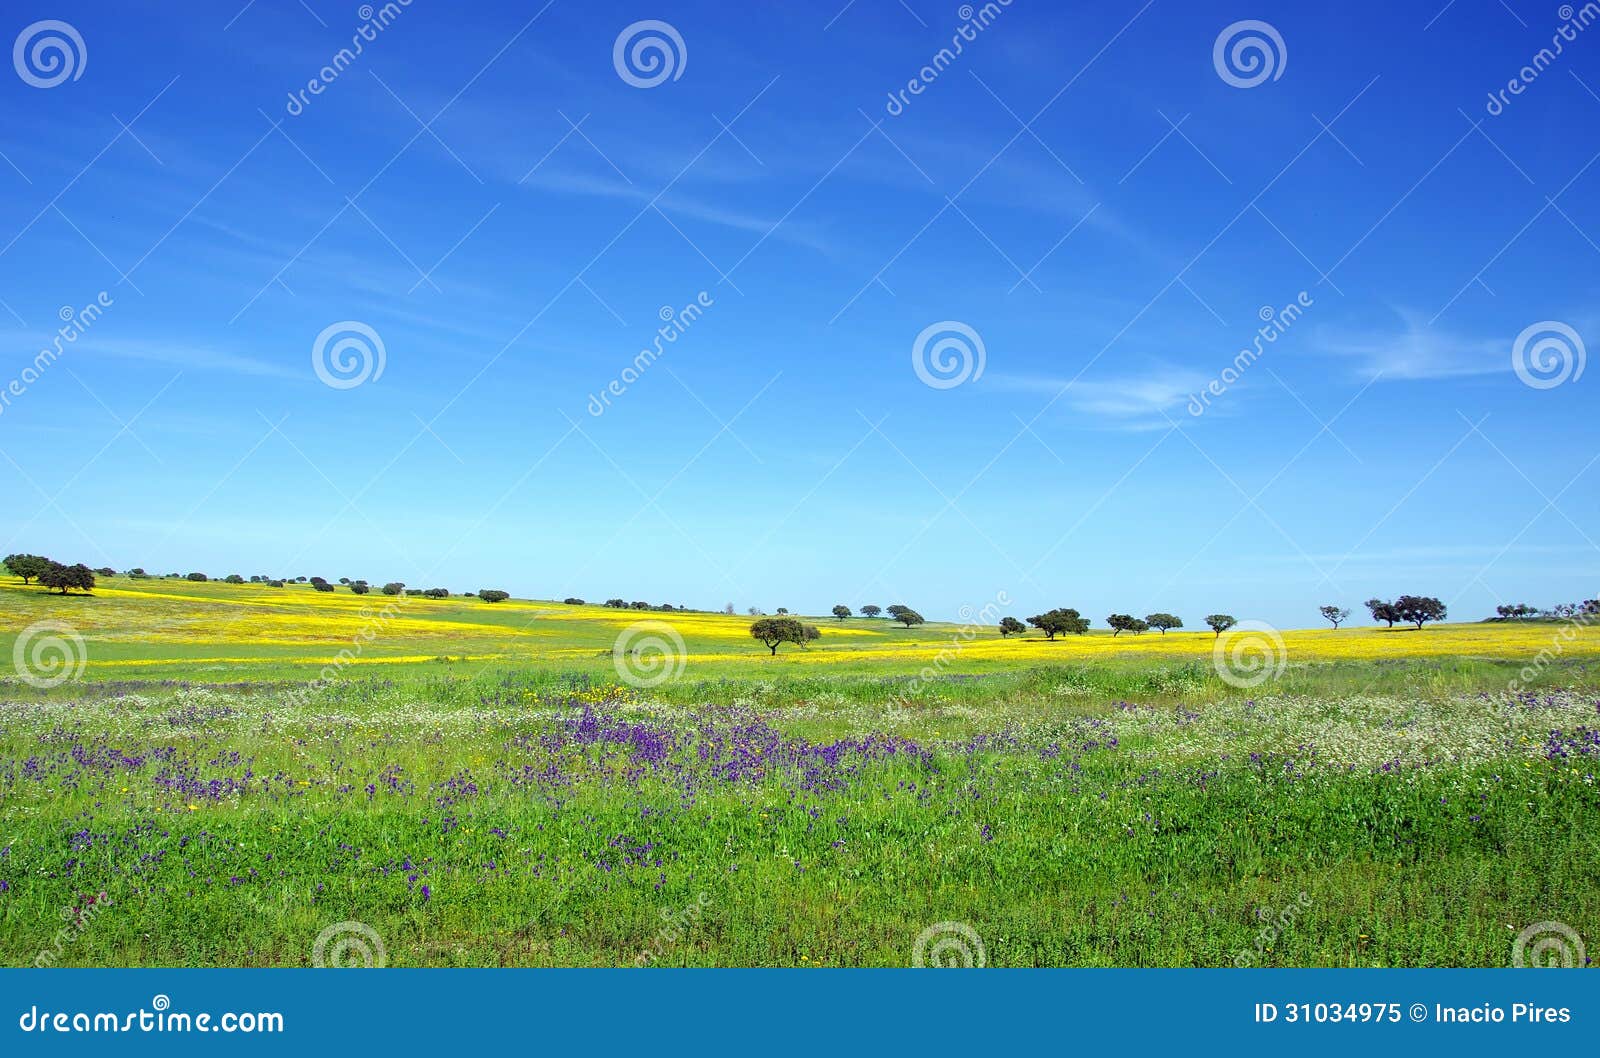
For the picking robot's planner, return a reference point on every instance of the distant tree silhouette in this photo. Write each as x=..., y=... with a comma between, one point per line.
x=1220, y=622
x=28, y=567
x=1010, y=626
x=573, y=600
x=1163, y=621
x=1334, y=615
x=905, y=615
x=841, y=611
x=394, y=587
x=493, y=595
x=233, y=578
x=774, y=631
x=871, y=611
x=198, y=578
x=1060, y=621
x=64, y=578
x=1382, y=611
x=1121, y=622
x=360, y=587
x=1419, y=609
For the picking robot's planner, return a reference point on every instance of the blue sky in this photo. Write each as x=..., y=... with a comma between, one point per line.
x=1080, y=187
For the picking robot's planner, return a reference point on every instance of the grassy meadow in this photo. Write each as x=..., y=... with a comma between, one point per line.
x=484, y=784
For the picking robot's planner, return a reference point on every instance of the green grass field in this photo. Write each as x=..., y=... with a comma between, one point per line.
x=486, y=785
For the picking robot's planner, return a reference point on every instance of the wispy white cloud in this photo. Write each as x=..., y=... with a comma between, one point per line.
x=1140, y=401
x=1415, y=351
x=189, y=356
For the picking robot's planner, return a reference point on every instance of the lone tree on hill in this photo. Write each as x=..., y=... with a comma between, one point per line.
x=1010, y=626
x=905, y=615
x=493, y=595
x=1419, y=609
x=360, y=587
x=1163, y=621
x=198, y=578
x=1335, y=615
x=394, y=587
x=774, y=631
x=1121, y=622
x=871, y=611
x=841, y=611
x=233, y=578
x=1060, y=621
x=1382, y=611
x=27, y=567
x=1220, y=622
x=62, y=578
